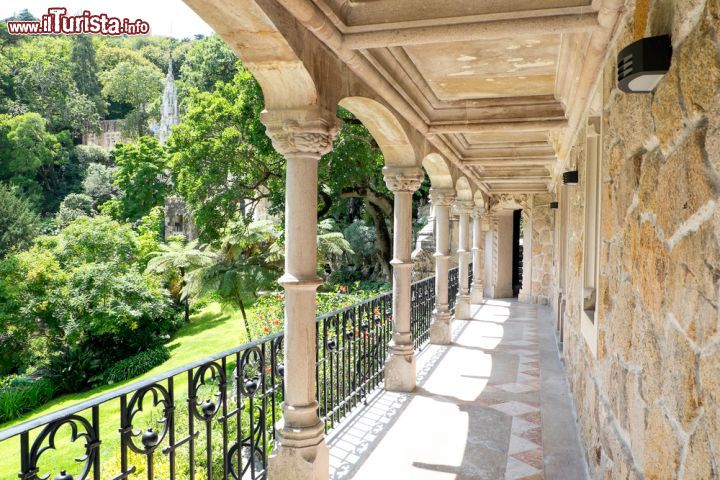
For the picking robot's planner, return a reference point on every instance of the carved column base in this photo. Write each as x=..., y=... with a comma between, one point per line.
x=401, y=370
x=462, y=307
x=300, y=463
x=476, y=293
x=441, y=329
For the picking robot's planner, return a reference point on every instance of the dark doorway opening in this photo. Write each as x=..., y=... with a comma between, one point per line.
x=517, y=254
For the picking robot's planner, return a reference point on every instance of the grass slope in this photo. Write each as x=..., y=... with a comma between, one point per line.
x=211, y=330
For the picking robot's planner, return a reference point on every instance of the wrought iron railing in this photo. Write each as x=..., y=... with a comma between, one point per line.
x=214, y=418
x=453, y=284
x=351, y=348
x=470, y=275
x=173, y=425
x=422, y=301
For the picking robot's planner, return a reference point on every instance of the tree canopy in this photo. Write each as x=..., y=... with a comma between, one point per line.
x=221, y=158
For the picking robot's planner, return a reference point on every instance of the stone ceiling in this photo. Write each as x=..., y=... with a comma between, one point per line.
x=499, y=85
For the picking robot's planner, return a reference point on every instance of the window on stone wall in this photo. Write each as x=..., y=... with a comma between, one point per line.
x=591, y=250
x=592, y=215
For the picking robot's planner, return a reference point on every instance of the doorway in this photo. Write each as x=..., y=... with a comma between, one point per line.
x=517, y=252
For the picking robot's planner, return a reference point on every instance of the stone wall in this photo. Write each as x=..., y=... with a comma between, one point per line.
x=542, y=249
x=649, y=402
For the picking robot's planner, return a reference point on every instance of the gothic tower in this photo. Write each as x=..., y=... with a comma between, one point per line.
x=169, y=114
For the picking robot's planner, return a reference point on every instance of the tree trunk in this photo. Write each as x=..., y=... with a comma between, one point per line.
x=326, y=204
x=384, y=240
x=187, y=298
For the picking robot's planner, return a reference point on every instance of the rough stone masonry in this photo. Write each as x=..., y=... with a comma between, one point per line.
x=649, y=402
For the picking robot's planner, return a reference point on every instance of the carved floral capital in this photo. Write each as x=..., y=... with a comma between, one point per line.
x=301, y=132
x=478, y=211
x=442, y=197
x=464, y=207
x=403, y=179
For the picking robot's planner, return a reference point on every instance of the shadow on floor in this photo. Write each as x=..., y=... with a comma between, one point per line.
x=476, y=413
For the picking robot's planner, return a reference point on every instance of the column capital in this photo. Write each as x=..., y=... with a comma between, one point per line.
x=301, y=131
x=464, y=207
x=442, y=197
x=478, y=212
x=403, y=179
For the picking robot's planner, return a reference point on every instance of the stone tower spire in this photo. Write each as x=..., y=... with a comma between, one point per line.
x=169, y=115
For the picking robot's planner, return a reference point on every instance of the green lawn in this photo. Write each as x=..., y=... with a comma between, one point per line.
x=210, y=331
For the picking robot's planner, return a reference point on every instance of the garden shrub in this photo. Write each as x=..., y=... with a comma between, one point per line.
x=19, y=395
x=71, y=368
x=133, y=366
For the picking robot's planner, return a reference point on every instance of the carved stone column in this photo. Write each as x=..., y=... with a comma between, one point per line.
x=476, y=289
x=302, y=137
x=462, y=302
x=400, y=366
x=440, y=328
x=525, y=294
x=491, y=247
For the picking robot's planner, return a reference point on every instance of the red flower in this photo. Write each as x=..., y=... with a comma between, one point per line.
x=266, y=329
x=276, y=322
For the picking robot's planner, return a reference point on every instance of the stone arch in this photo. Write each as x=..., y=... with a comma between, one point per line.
x=462, y=187
x=479, y=198
x=438, y=171
x=249, y=32
x=385, y=129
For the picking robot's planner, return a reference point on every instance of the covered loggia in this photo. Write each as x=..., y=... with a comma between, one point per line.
x=620, y=256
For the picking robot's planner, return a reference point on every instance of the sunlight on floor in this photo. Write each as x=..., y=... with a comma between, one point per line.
x=476, y=412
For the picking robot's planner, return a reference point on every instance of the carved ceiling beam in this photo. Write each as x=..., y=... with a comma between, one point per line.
x=519, y=189
x=510, y=28
x=516, y=179
x=510, y=161
x=483, y=127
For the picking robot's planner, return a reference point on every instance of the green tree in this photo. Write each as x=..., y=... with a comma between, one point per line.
x=96, y=239
x=207, y=62
x=43, y=83
x=85, y=71
x=99, y=184
x=19, y=223
x=30, y=311
x=177, y=258
x=332, y=247
x=27, y=153
x=74, y=206
x=221, y=156
x=136, y=85
x=140, y=175
x=249, y=259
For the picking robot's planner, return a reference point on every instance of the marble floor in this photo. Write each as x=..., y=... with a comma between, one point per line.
x=492, y=405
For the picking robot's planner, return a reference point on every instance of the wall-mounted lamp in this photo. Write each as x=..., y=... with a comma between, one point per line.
x=570, y=177
x=554, y=205
x=642, y=64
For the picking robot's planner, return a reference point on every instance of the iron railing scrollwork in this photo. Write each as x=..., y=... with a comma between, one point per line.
x=217, y=415
x=453, y=285
x=422, y=301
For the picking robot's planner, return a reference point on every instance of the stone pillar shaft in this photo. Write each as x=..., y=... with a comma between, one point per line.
x=462, y=304
x=302, y=138
x=400, y=367
x=476, y=290
x=525, y=294
x=440, y=329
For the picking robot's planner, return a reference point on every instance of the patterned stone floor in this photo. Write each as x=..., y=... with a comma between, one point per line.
x=480, y=411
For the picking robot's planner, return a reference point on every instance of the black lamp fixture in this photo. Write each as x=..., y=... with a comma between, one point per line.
x=570, y=177
x=642, y=64
x=554, y=205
